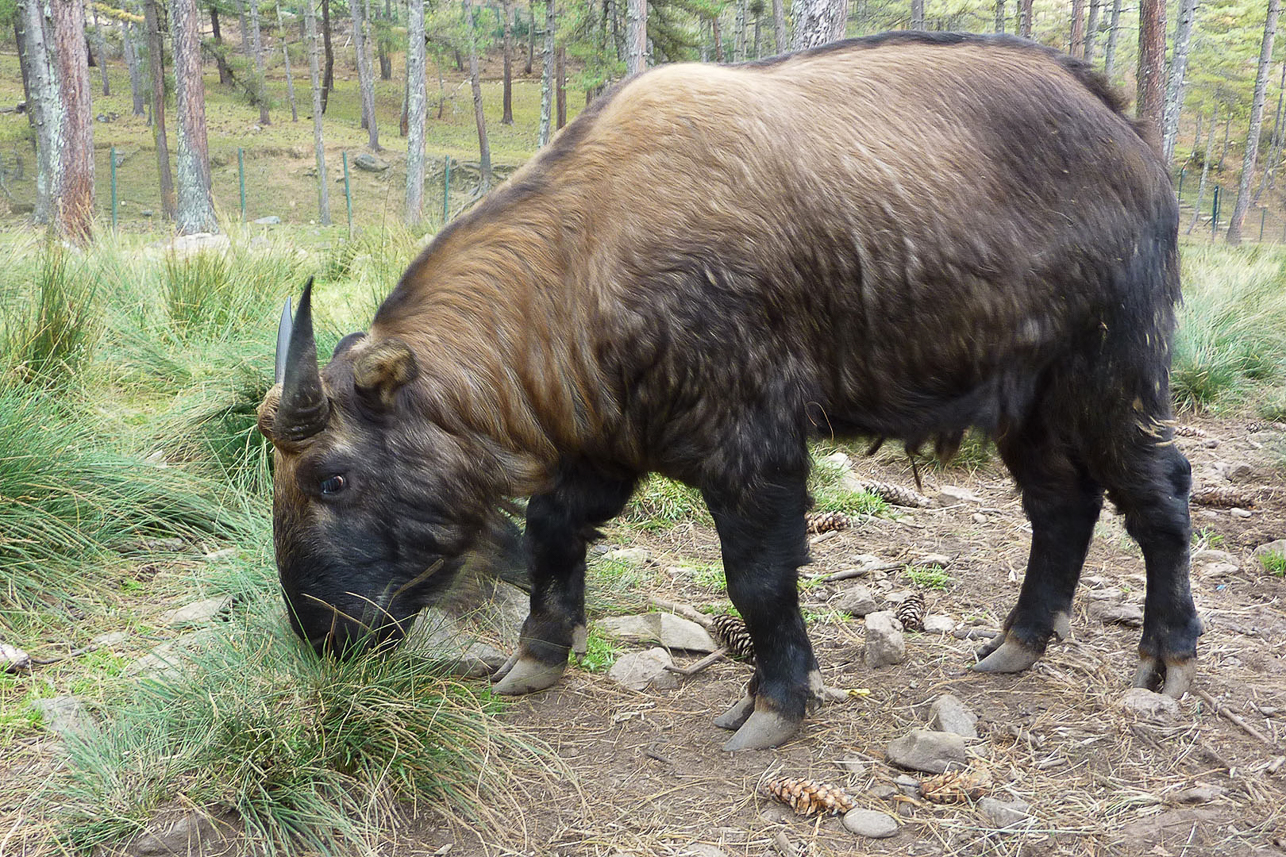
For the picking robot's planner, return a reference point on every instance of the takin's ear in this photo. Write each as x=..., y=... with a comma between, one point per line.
x=381, y=371
x=268, y=411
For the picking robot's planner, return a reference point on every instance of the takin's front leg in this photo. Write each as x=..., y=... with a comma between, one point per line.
x=764, y=542
x=560, y=525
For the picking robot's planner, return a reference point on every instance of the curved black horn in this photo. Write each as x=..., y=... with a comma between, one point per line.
x=284, y=327
x=303, y=410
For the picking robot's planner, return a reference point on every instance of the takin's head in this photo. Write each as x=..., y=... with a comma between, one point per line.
x=364, y=532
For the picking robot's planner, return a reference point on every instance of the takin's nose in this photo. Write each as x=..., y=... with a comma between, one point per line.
x=334, y=635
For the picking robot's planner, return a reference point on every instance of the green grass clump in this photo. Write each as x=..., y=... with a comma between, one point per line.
x=310, y=754
x=600, y=653
x=928, y=577
x=1274, y=564
x=826, y=483
x=660, y=503
x=1232, y=326
x=49, y=334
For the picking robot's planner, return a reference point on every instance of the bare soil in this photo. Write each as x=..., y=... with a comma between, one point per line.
x=646, y=775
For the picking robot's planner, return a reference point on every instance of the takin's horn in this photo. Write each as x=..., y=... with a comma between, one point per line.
x=284, y=327
x=304, y=408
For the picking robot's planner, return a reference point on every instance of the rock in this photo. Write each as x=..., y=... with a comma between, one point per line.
x=907, y=785
x=1217, y=569
x=1213, y=556
x=949, y=714
x=643, y=670
x=217, y=556
x=369, y=163
x=1200, y=793
x=147, y=212
x=673, y=632
x=854, y=766
x=1278, y=548
x=197, y=613
x=110, y=639
x=13, y=659
x=1240, y=513
x=185, y=836
x=1106, y=593
x=936, y=623
x=979, y=518
x=698, y=849
x=839, y=459
x=883, y=791
x=629, y=556
x=1238, y=471
x=855, y=600
x=939, y=559
x=1002, y=814
x=1146, y=705
x=871, y=824
x=1110, y=613
x=440, y=639
x=884, y=643
x=270, y=220
x=199, y=242
x=930, y=752
x=169, y=659
x=64, y=715
x=949, y=495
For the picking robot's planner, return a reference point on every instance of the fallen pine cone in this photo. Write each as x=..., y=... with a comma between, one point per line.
x=731, y=631
x=1227, y=497
x=956, y=786
x=911, y=612
x=895, y=494
x=824, y=522
x=809, y=797
x=1188, y=431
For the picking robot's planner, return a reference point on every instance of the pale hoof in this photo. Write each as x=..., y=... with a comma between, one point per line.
x=737, y=715
x=1011, y=657
x=1062, y=626
x=1172, y=679
x=522, y=675
x=763, y=731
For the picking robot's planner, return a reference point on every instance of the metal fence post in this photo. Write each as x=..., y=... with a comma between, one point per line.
x=446, y=191
x=348, y=196
x=1263, y=217
x=1182, y=173
x=112, y=154
x=241, y=178
x=1214, y=214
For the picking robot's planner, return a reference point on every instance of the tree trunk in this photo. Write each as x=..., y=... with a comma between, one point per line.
x=635, y=36
x=560, y=93
x=780, y=44
x=531, y=36
x=755, y=52
x=328, y=75
x=1196, y=140
x=381, y=52
x=416, y=106
x=718, y=39
x=73, y=189
x=507, y=118
x=315, y=84
x=245, y=28
x=1078, y=29
x=820, y=21
x=1000, y=16
x=102, y=52
x=44, y=105
x=214, y=24
x=484, y=147
x=1256, y=123
x=917, y=17
x=24, y=62
x=196, y=207
x=225, y=72
x=128, y=40
x=547, y=78
x=739, y=32
x=1151, y=71
x=256, y=48
x=1175, y=86
x=1274, y=143
x=1091, y=29
x=442, y=86
x=365, y=78
x=285, y=55
x=156, y=66
x=1024, y=18
x=1227, y=128
x=1113, y=31
x=1205, y=170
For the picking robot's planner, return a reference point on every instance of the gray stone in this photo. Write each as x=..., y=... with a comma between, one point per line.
x=1003, y=814
x=13, y=659
x=856, y=600
x=883, y=791
x=199, y=242
x=219, y=555
x=949, y=714
x=907, y=785
x=110, y=639
x=167, y=660
x=699, y=849
x=673, y=632
x=369, y=163
x=1146, y=705
x=939, y=559
x=1109, y=613
x=64, y=715
x=1277, y=547
x=979, y=518
x=927, y=751
x=629, y=556
x=185, y=836
x=936, y=623
x=643, y=670
x=270, y=220
x=1214, y=556
x=885, y=645
x=1239, y=471
x=1240, y=513
x=197, y=613
x=949, y=495
x=854, y=766
x=440, y=639
x=1216, y=569
x=871, y=824
x=1200, y=793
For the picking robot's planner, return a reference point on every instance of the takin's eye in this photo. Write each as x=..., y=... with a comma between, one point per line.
x=333, y=485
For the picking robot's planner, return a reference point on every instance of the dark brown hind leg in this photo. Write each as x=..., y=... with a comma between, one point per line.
x=1062, y=502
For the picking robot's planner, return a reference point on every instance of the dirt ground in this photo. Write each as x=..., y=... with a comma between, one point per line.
x=647, y=776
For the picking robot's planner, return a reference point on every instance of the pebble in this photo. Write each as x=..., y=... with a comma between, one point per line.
x=979, y=518
x=871, y=824
x=64, y=715
x=1239, y=513
x=949, y=714
x=13, y=659
x=1147, y=705
x=883, y=791
x=629, y=556
x=885, y=644
x=1000, y=813
x=854, y=766
x=197, y=613
x=643, y=670
x=937, y=623
x=1202, y=793
x=1213, y=556
x=699, y=849
x=927, y=751
x=111, y=638
x=949, y=495
x=672, y=632
x=185, y=836
x=1129, y=615
x=270, y=220
x=216, y=556
x=939, y=559
x=856, y=600
x=1217, y=569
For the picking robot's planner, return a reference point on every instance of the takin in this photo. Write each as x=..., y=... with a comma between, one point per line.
x=902, y=236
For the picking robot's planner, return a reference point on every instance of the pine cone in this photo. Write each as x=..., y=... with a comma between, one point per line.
x=732, y=632
x=895, y=494
x=911, y=612
x=809, y=797
x=1188, y=431
x=824, y=522
x=956, y=786
x=1223, y=498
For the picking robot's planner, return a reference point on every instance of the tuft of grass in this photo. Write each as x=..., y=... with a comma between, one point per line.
x=309, y=754
x=49, y=336
x=1274, y=564
x=660, y=503
x=218, y=427
x=928, y=577
x=827, y=484
x=1232, y=326
x=600, y=653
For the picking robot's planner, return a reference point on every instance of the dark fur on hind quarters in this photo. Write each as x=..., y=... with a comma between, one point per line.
x=904, y=236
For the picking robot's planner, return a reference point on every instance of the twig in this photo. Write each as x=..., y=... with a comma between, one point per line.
x=72, y=654
x=1236, y=719
x=687, y=611
x=849, y=573
x=712, y=658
